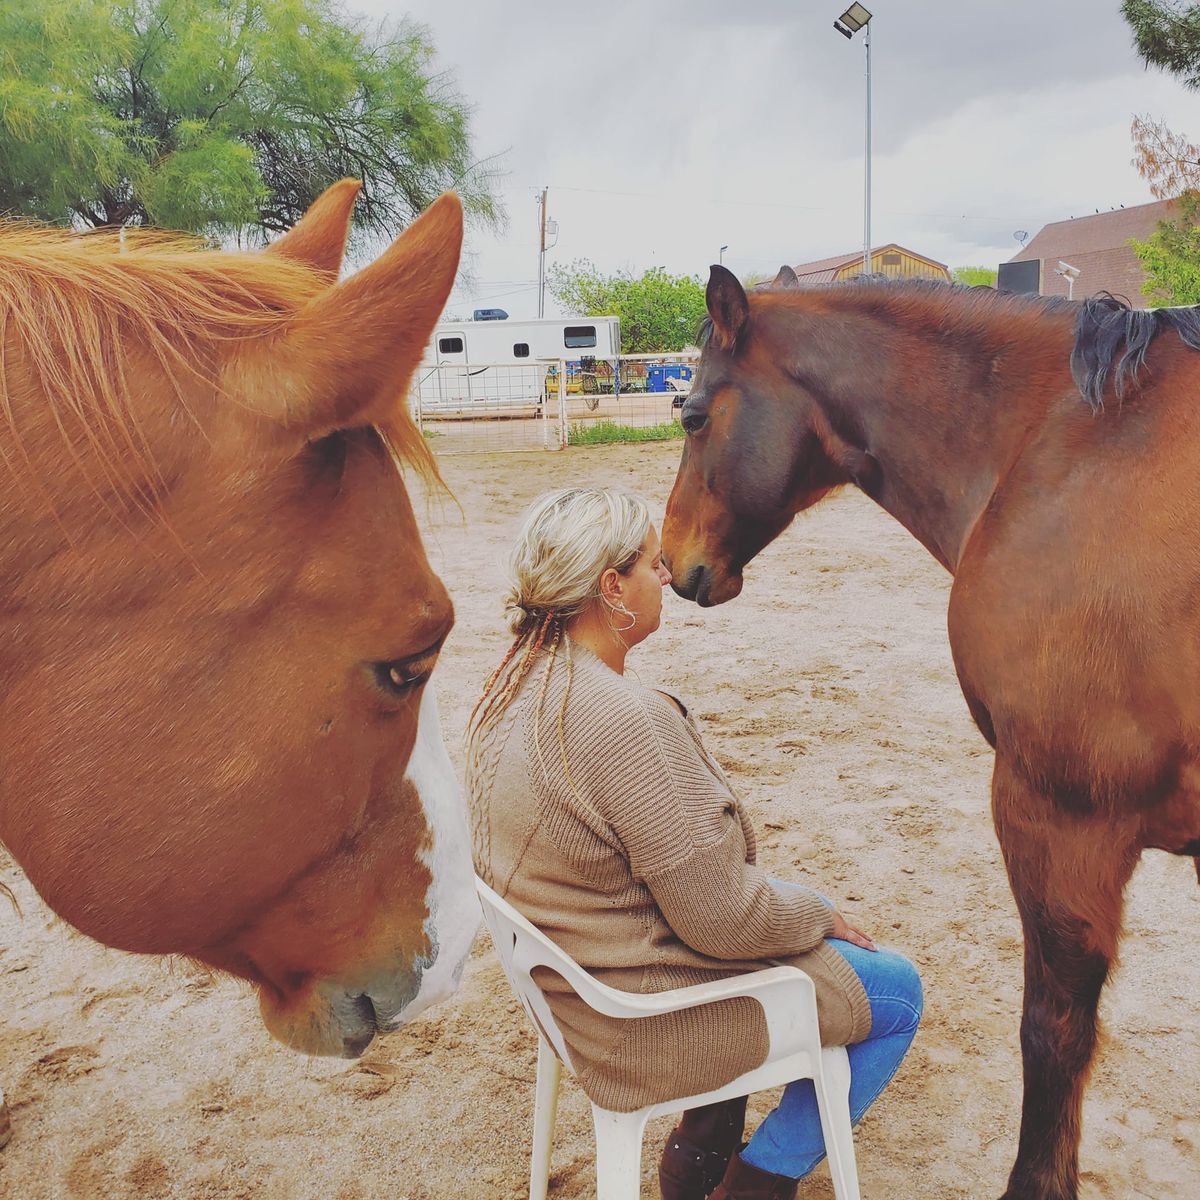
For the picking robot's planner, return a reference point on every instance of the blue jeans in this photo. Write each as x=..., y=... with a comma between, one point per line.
x=789, y=1140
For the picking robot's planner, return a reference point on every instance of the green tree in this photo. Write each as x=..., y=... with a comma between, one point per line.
x=1166, y=34
x=974, y=276
x=223, y=116
x=659, y=312
x=1171, y=257
x=580, y=288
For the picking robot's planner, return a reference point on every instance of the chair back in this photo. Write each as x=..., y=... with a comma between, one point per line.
x=521, y=947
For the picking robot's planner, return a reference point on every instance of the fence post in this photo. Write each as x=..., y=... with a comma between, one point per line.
x=563, y=432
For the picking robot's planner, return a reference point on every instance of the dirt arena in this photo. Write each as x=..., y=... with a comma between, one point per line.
x=828, y=694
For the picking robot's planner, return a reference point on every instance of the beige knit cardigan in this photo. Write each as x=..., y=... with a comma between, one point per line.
x=632, y=853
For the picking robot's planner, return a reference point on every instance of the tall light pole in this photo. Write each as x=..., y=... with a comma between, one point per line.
x=856, y=17
x=721, y=255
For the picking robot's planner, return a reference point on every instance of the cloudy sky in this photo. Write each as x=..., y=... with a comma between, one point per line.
x=667, y=128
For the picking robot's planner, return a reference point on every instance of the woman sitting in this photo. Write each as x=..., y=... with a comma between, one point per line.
x=599, y=814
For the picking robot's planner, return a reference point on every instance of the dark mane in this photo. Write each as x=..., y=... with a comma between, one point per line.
x=1108, y=327
x=1112, y=338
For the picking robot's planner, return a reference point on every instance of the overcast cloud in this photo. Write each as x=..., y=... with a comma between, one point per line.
x=666, y=129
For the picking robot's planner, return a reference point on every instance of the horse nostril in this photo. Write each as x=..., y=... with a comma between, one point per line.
x=689, y=584
x=355, y=1045
x=359, y=1024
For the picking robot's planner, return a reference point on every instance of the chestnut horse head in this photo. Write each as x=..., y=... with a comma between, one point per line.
x=218, y=621
x=798, y=388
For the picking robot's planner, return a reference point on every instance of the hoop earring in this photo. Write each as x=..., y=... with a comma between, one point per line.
x=620, y=608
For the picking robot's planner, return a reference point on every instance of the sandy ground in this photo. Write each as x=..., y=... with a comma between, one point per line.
x=827, y=692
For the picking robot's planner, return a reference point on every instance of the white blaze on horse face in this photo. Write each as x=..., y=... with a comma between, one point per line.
x=454, y=913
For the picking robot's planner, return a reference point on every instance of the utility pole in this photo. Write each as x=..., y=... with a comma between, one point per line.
x=542, y=252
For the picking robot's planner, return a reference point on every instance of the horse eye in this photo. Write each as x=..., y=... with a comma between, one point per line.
x=693, y=422
x=401, y=676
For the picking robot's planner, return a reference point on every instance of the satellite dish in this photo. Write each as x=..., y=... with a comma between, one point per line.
x=1022, y=237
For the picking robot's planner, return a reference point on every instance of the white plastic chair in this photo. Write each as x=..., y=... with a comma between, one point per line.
x=789, y=1005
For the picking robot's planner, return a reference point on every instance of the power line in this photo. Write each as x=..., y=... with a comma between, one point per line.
x=787, y=206
x=471, y=295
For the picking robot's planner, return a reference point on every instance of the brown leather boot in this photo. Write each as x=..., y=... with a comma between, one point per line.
x=699, y=1149
x=744, y=1182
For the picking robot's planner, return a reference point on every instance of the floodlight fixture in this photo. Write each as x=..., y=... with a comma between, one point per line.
x=856, y=17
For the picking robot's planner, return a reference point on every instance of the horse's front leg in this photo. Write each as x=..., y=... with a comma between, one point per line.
x=1068, y=873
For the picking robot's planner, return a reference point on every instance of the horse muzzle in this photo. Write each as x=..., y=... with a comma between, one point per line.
x=341, y=1015
x=333, y=1018
x=707, y=586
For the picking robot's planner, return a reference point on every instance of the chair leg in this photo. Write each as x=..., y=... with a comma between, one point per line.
x=545, y=1109
x=618, y=1154
x=833, y=1101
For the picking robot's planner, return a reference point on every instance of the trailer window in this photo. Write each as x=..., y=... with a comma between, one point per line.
x=521, y=350
x=450, y=345
x=577, y=336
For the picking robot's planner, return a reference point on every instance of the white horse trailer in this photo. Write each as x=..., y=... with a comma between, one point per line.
x=482, y=365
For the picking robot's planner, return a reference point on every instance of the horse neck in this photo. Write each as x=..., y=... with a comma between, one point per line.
x=929, y=407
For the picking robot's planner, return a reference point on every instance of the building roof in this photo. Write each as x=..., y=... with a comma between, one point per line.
x=825, y=270
x=1099, y=246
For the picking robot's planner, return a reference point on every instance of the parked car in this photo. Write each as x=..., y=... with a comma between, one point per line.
x=489, y=314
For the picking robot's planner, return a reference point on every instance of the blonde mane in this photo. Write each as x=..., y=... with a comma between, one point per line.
x=78, y=307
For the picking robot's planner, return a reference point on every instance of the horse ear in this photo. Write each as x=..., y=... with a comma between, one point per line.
x=318, y=239
x=727, y=305
x=349, y=354
x=786, y=278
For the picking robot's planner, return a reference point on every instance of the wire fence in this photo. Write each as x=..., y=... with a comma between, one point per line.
x=487, y=406
x=550, y=404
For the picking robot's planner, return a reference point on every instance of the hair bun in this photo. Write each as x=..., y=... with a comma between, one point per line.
x=523, y=616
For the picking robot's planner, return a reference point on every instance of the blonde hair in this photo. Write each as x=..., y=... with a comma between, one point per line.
x=568, y=539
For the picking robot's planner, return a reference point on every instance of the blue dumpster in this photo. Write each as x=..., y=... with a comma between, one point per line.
x=657, y=375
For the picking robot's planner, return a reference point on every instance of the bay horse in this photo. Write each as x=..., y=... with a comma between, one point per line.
x=1044, y=452
x=217, y=618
